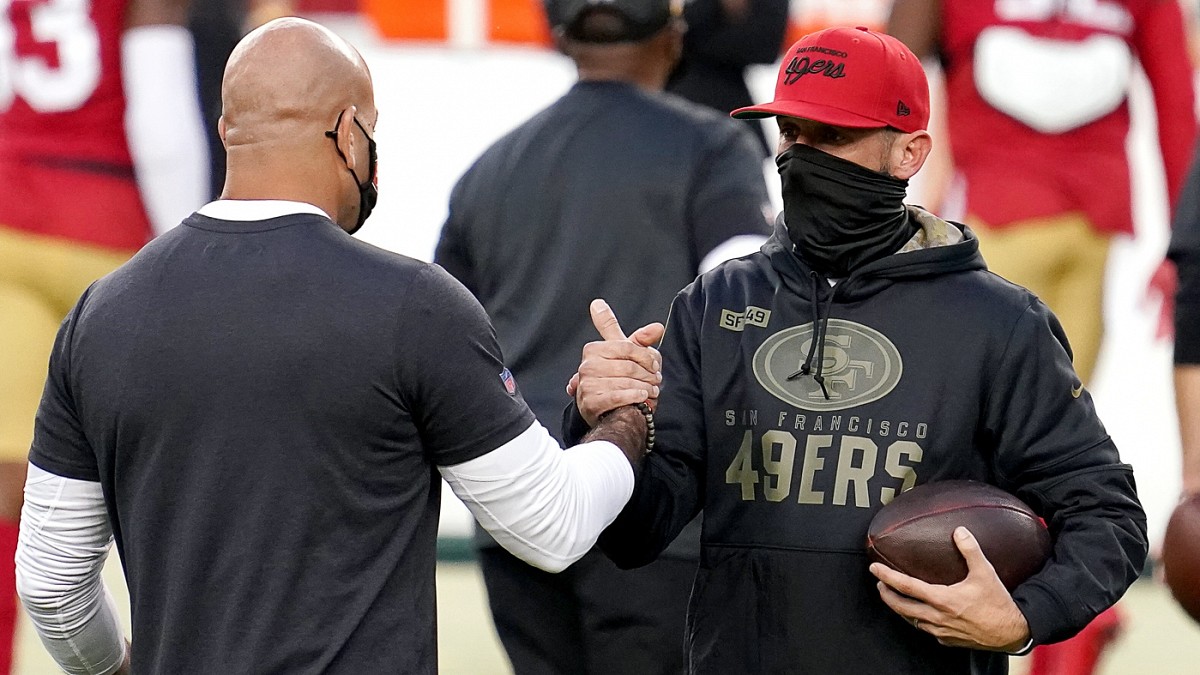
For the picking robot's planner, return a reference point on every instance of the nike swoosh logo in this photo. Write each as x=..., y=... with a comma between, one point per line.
x=1076, y=391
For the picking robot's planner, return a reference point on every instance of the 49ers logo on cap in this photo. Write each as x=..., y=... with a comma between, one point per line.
x=859, y=79
x=800, y=66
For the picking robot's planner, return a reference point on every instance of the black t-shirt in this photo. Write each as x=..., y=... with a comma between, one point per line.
x=265, y=404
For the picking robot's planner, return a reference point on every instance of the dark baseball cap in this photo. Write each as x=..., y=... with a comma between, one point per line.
x=639, y=18
x=849, y=77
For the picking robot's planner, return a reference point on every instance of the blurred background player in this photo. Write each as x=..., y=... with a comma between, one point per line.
x=1185, y=253
x=1040, y=166
x=1039, y=155
x=101, y=146
x=724, y=37
x=613, y=179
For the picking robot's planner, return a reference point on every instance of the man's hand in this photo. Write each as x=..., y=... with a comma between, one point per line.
x=1161, y=289
x=977, y=612
x=618, y=370
x=1187, y=406
x=1191, y=484
x=12, y=490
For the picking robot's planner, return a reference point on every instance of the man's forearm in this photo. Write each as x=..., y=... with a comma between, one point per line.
x=65, y=537
x=545, y=505
x=1187, y=403
x=625, y=428
x=97, y=647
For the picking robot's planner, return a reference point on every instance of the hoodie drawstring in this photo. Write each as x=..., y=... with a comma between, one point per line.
x=817, y=346
x=819, y=376
x=806, y=367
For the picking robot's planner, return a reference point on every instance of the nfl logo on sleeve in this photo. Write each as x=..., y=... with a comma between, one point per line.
x=510, y=383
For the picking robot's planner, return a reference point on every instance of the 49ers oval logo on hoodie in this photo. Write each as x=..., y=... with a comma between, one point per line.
x=860, y=365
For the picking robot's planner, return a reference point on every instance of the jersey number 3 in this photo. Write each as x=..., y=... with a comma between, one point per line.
x=49, y=54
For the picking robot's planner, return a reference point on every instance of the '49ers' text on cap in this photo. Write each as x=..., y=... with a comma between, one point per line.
x=849, y=77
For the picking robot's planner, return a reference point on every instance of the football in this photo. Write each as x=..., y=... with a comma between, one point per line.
x=1181, y=555
x=915, y=532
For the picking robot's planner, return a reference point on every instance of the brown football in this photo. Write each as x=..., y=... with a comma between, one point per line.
x=915, y=532
x=1181, y=555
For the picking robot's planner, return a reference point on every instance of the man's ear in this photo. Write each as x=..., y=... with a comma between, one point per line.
x=345, y=137
x=909, y=152
x=221, y=131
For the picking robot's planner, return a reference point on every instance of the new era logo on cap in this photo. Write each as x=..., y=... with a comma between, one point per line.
x=850, y=77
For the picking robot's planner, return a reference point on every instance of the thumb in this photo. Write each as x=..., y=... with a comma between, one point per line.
x=968, y=546
x=648, y=335
x=605, y=321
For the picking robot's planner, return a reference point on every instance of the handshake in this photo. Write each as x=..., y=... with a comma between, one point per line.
x=616, y=374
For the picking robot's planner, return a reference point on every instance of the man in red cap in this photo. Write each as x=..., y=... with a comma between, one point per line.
x=864, y=350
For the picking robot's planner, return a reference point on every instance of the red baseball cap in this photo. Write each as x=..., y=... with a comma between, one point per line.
x=849, y=77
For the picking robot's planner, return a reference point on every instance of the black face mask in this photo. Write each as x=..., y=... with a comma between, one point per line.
x=839, y=215
x=368, y=192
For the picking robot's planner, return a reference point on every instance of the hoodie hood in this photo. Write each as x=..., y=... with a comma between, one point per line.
x=939, y=247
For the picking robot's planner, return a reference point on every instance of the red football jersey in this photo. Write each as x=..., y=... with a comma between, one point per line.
x=996, y=51
x=63, y=151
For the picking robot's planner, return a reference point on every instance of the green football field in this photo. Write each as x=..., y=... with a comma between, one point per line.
x=1159, y=639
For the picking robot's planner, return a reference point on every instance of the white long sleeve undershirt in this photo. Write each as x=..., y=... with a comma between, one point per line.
x=545, y=505
x=65, y=538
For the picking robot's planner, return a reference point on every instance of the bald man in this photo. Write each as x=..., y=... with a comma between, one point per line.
x=258, y=408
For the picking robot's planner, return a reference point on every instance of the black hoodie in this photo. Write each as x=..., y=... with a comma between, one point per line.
x=933, y=368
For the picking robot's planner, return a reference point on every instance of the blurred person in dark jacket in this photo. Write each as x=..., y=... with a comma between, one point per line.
x=1185, y=253
x=723, y=38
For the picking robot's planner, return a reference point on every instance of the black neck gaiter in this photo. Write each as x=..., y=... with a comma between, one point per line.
x=839, y=215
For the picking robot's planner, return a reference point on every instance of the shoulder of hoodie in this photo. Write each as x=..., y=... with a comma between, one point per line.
x=748, y=271
x=996, y=295
x=1000, y=293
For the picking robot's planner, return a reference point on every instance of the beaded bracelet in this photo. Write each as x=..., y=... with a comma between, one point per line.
x=649, y=415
